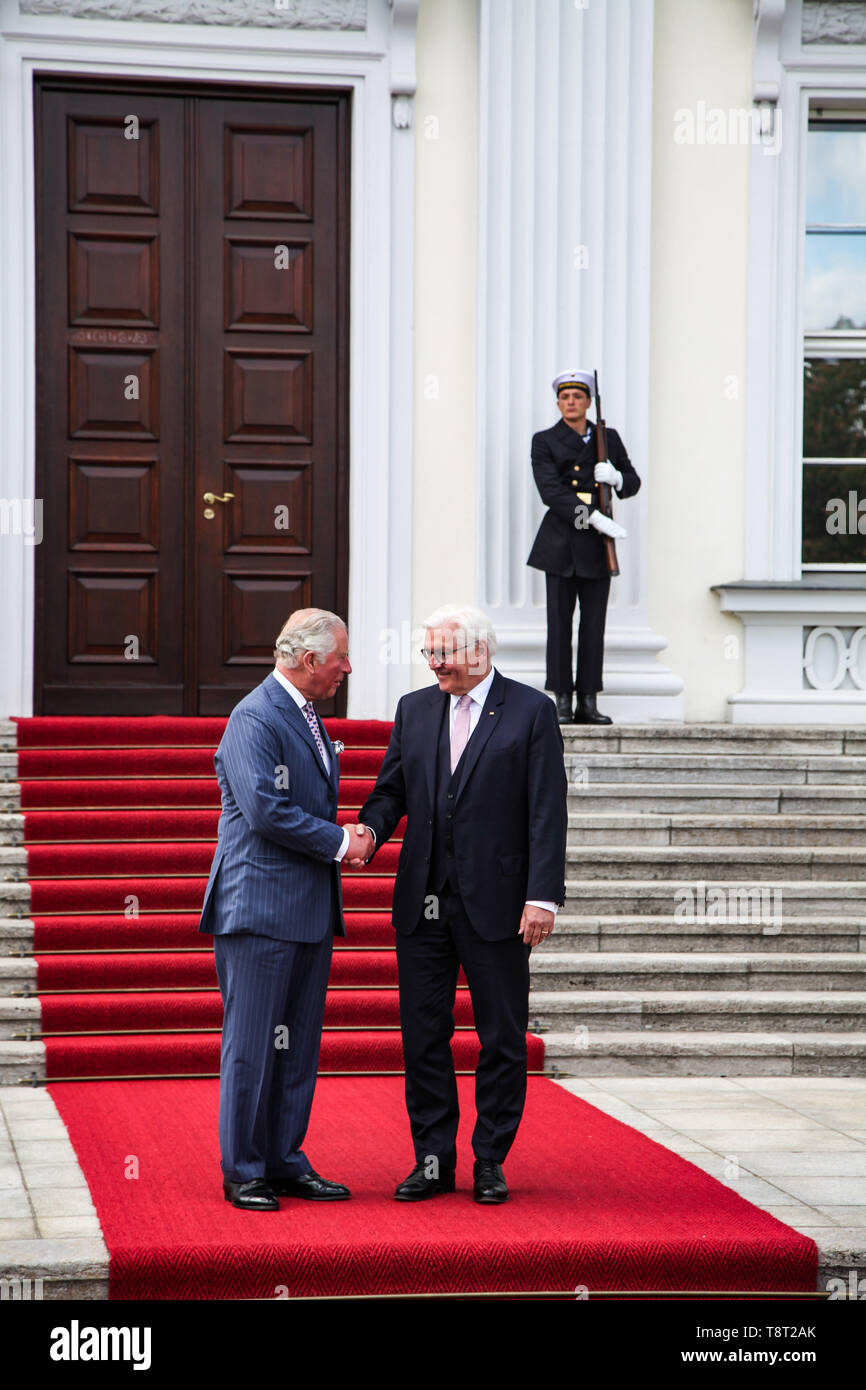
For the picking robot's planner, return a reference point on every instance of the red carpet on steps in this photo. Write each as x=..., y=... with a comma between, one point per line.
x=120, y=822
x=593, y=1203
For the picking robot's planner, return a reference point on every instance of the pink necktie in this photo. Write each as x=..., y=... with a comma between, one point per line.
x=460, y=732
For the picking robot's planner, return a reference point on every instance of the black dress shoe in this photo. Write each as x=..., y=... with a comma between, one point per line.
x=418, y=1186
x=255, y=1195
x=586, y=712
x=564, y=712
x=489, y=1185
x=311, y=1187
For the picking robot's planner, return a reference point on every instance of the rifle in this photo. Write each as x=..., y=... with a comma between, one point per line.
x=604, y=490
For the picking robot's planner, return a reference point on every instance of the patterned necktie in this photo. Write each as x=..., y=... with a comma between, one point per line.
x=460, y=732
x=313, y=722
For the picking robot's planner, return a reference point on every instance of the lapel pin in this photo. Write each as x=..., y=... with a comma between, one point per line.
x=338, y=746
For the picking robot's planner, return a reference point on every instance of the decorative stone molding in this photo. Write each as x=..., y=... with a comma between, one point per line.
x=401, y=112
x=834, y=658
x=805, y=652
x=404, y=23
x=769, y=18
x=836, y=21
x=259, y=14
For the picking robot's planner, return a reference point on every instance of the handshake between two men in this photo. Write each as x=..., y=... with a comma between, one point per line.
x=362, y=843
x=474, y=765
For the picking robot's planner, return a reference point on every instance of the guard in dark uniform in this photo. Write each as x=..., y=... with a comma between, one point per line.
x=569, y=545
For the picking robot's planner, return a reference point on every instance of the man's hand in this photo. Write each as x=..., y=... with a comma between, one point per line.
x=606, y=526
x=536, y=924
x=606, y=473
x=361, y=845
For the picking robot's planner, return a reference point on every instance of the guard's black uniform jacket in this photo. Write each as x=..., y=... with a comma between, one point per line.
x=563, y=467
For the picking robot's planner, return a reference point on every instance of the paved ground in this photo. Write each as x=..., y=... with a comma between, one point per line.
x=795, y=1146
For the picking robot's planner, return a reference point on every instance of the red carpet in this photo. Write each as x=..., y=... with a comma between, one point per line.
x=120, y=825
x=593, y=1203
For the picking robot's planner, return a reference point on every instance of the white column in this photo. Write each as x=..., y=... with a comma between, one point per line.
x=564, y=281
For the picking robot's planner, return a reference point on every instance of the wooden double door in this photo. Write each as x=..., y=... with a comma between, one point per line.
x=192, y=391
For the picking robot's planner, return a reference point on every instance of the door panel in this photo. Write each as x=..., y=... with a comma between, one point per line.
x=192, y=327
x=109, y=436
x=269, y=198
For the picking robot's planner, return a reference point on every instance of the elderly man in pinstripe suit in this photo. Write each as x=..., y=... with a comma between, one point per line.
x=273, y=902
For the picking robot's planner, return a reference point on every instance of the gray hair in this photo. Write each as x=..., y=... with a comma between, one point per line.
x=307, y=630
x=472, y=624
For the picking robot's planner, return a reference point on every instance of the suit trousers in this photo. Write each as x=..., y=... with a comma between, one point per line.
x=562, y=591
x=274, y=1003
x=497, y=973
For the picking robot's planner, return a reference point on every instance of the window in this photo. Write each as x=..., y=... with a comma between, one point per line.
x=834, y=376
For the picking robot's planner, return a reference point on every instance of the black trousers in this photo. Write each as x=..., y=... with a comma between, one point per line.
x=562, y=591
x=497, y=973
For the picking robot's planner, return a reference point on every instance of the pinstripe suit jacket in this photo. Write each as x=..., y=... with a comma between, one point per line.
x=274, y=872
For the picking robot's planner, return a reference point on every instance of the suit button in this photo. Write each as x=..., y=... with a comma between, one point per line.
x=574, y=482
x=450, y=796
x=577, y=468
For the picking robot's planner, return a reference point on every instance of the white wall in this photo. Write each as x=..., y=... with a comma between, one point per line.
x=445, y=523
x=703, y=54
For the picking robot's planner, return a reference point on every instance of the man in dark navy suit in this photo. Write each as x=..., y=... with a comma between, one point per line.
x=273, y=902
x=569, y=545
x=476, y=766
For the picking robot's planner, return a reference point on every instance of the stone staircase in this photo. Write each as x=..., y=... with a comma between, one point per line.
x=716, y=912
x=715, y=918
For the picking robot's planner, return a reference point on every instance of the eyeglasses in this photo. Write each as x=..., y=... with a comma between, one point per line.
x=433, y=655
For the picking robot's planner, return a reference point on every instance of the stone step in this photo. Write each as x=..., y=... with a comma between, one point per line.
x=590, y=828
x=17, y=975
x=20, y=1019
x=632, y=933
x=770, y=1011
x=11, y=828
x=592, y=933
x=13, y=864
x=620, y=1010
x=610, y=828
x=715, y=738
x=16, y=936
x=634, y=970
x=735, y=799
x=21, y=1062
x=10, y=796
x=629, y=970
x=722, y=863
x=14, y=900
x=734, y=900
x=787, y=770
x=697, y=1053
x=8, y=735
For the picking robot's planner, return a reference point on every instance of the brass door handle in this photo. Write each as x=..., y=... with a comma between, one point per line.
x=211, y=497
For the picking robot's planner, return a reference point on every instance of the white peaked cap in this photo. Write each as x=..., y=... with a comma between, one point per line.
x=574, y=379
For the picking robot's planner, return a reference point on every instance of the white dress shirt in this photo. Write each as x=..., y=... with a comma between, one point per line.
x=300, y=700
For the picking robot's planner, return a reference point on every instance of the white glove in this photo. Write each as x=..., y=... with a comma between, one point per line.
x=607, y=527
x=606, y=473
